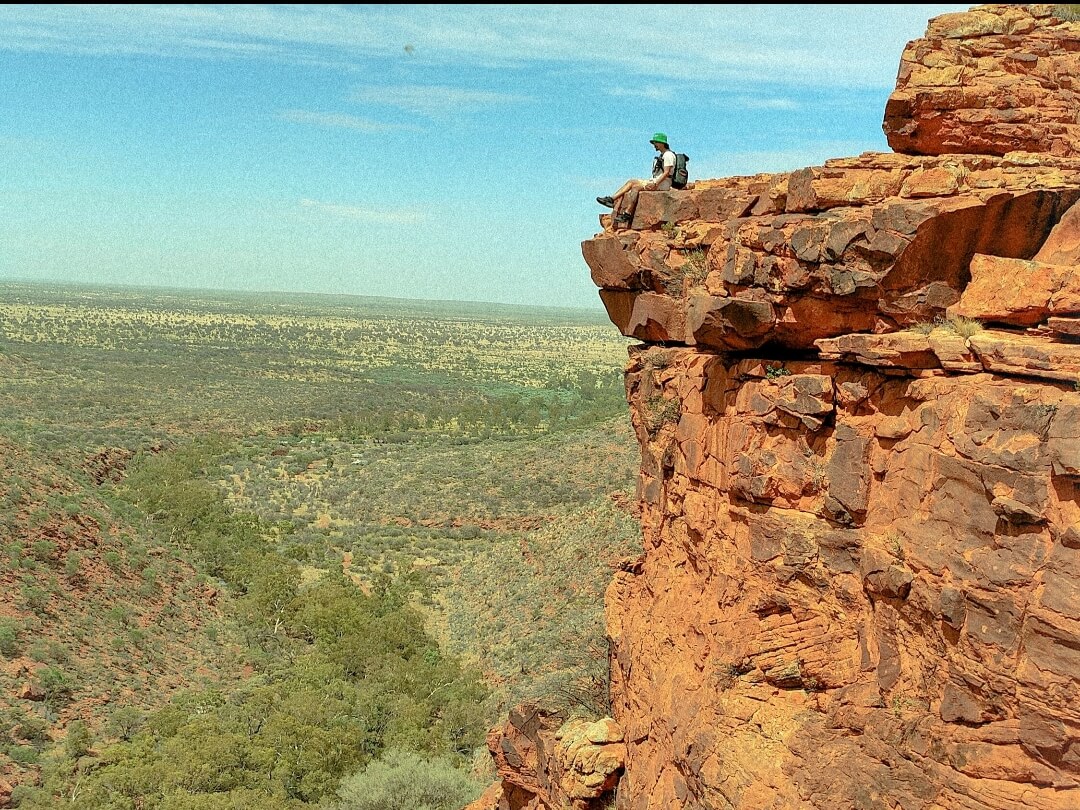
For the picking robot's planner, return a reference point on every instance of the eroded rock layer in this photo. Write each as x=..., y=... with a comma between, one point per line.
x=865, y=244
x=547, y=761
x=858, y=588
x=992, y=80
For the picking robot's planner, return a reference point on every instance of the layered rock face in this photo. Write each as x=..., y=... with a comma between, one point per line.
x=993, y=80
x=860, y=585
x=867, y=244
x=858, y=401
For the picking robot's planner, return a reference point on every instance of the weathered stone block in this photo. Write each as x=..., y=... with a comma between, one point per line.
x=728, y=323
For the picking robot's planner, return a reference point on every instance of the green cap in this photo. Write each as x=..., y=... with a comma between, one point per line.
x=659, y=137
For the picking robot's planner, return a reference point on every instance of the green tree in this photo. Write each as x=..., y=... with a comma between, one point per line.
x=79, y=740
x=125, y=722
x=56, y=684
x=271, y=592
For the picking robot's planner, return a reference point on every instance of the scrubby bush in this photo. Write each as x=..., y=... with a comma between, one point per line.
x=660, y=411
x=23, y=754
x=31, y=728
x=36, y=599
x=79, y=740
x=964, y=327
x=402, y=780
x=957, y=324
x=56, y=684
x=9, y=638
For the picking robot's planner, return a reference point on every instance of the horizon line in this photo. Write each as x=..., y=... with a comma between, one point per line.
x=38, y=282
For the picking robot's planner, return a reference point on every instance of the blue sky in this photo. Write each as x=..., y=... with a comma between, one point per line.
x=437, y=152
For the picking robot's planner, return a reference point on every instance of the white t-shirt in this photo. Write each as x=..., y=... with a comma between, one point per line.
x=659, y=167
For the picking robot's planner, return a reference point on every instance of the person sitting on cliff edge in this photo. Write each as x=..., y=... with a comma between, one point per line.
x=624, y=201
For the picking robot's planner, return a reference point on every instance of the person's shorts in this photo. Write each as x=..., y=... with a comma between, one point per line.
x=665, y=186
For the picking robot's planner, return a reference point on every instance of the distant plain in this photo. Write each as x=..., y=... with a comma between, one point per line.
x=467, y=464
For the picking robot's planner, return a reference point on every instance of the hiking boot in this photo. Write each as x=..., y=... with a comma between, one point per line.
x=623, y=219
x=609, y=202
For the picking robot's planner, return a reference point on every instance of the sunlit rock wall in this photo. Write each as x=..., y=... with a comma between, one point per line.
x=856, y=396
x=995, y=79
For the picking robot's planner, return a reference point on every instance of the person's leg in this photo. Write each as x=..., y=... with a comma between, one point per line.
x=626, y=204
x=627, y=196
x=613, y=200
x=625, y=187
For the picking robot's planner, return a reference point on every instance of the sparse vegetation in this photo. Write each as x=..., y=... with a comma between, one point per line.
x=198, y=490
x=728, y=672
x=9, y=638
x=1068, y=12
x=894, y=542
x=957, y=324
x=900, y=703
x=775, y=371
x=660, y=411
x=658, y=359
x=532, y=607
x=689, y=274
x=964, y=327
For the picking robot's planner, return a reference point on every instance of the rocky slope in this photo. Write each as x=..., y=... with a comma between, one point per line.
x=96, y=622
x=857, y=402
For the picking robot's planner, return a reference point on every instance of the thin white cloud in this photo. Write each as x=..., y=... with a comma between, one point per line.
x=648, y=93
x=432, y=100
x=768, y=103
x=362, y=214
x=341, y=120
x=807, y=45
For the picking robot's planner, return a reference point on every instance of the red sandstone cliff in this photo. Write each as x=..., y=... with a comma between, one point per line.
x=993, y=80
x=857, y=402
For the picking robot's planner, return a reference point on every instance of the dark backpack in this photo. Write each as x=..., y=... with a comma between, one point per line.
x=679, y=175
